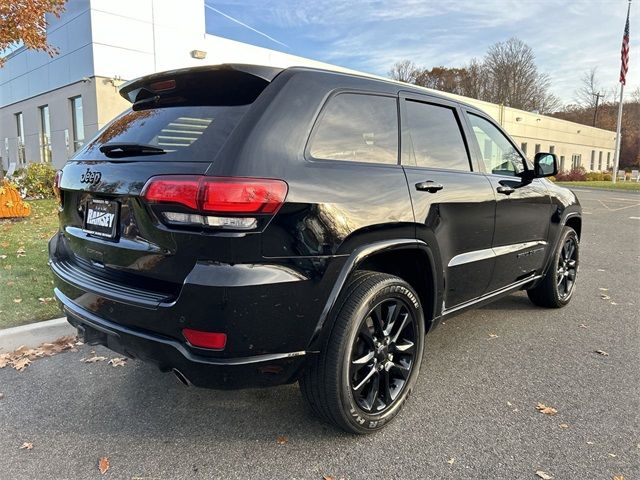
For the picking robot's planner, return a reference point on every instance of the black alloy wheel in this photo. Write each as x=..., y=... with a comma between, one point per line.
x=383, y=355
x=567, y=267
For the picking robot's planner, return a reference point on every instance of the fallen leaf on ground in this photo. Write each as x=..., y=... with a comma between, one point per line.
x=582, y=325
x=509, y=403
x=589, y=443
x=281, y=440
x=493, y=335
x=118, y=362
x=22, y=356
x=103, y=465
x=605, y=297
x=45, y=299
x=563, y=425
x=618, y=477
x=17, y=300
x=2, y=257
x=613, y=455
x=542, y=408
x=21, y=364
x=94, y=359
x=451, y=461
x=328, y=477
x=26, y=446
x=602, y=352
x=543, y=475
x=603, y=289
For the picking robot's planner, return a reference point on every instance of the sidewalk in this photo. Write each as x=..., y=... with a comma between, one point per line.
x=34, y=334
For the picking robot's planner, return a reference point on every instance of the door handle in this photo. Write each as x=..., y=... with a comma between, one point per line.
x=505, y=190
x=429, y=186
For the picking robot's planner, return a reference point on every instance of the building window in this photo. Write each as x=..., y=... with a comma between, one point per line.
x=537, y=148
x=552, y=149
x=523, y=147
x=593, y=160
x=45, y=134
x=78, y=123
x=608, y=160
x=562, y=163
x=20, y=136
x=576, y=160
x=600, y=161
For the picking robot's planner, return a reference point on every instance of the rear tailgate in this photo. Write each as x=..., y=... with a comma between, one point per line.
x=178, y=123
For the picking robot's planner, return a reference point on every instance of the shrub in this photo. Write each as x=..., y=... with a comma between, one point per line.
x=574, y=175
x=606, y=177
x=35, y=181
x=595, y=176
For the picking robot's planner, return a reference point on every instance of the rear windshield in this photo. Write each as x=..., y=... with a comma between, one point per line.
x=185, y=133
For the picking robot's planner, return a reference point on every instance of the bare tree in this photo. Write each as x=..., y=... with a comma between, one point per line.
x=404, y=71
x=514, y=79
x=590, y=90
x=507, y=75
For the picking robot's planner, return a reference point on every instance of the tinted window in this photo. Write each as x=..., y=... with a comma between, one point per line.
x=434, y=137
x=499, y=155
x=359, y=128
x=185, y=133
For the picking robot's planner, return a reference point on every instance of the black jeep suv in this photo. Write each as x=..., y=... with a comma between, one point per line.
x=247, y=226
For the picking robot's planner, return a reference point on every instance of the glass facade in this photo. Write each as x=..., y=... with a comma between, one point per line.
x=20, y=137
x=78, y=123
x=45, y=134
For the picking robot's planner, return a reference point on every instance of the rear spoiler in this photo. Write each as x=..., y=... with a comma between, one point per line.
x=182, y=82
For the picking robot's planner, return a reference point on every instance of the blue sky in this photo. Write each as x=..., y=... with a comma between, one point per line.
x=568, y=37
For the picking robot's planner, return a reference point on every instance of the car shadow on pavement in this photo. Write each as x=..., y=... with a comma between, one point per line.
x=515, y=301
x=140, y=400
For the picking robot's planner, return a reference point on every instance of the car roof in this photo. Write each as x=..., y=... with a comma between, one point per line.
x=268, y=73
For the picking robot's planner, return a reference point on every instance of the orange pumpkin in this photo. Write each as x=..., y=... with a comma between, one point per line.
x=11, y=204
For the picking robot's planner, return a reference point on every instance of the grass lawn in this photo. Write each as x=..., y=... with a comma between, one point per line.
x=26, y=285
x=633, y=186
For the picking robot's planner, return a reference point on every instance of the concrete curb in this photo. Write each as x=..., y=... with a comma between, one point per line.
x=34, y=334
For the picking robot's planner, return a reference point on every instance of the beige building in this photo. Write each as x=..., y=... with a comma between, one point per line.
x=50, y=106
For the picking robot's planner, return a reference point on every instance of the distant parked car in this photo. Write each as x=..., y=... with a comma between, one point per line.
x=248, y=226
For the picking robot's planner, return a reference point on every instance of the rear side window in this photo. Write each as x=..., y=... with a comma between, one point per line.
x=185, y=133
x=359, y=128
x=434, y=137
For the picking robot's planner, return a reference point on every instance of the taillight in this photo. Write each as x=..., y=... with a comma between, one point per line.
x=220, y=202
x=56, y=186
x=199, y=338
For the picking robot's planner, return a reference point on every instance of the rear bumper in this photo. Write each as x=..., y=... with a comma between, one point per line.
x=169, y=354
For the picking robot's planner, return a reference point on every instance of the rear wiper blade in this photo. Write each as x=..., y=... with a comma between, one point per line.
x=126, y=149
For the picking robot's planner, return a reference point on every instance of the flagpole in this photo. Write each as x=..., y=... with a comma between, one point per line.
x=616, y=157
x=623, y=73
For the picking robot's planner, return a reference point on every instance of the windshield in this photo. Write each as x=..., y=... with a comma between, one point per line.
x=185, y=133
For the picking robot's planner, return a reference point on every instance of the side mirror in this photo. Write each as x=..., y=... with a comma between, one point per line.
x=545, y=165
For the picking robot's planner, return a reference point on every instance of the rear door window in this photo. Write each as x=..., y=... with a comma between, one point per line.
x=185, y=133
x=433, y=137
x=358, y=128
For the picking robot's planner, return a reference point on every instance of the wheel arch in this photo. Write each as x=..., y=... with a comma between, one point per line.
x=395, y=257
x=575, y=222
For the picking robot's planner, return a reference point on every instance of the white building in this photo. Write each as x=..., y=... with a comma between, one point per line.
x=49, y=106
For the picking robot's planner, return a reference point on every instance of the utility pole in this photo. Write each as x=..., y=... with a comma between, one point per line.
x=595, y=112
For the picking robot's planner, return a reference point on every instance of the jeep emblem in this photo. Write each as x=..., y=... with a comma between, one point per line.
x=90, y=177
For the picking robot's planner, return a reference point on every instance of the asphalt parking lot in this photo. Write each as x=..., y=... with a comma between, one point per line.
x=472, y=416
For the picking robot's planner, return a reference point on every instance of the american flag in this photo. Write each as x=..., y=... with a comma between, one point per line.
x=624, y=68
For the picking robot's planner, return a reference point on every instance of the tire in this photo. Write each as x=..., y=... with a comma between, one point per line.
x=369, y=364
x=558, y=285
